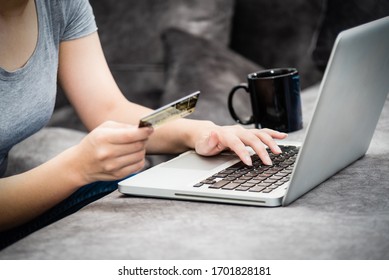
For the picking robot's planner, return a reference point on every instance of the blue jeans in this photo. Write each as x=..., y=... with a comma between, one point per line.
x=73, y=203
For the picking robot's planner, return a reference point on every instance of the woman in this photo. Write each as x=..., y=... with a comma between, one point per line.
x=44, y=39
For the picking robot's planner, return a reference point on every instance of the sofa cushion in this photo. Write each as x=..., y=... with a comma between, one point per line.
x=41, y=147
x=278, y=33
x=130, y=34
x=194, y=63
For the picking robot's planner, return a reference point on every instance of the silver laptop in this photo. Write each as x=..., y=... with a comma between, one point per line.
x=352, y=94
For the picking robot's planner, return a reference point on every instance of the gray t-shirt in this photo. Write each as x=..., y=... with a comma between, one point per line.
x=27, y=95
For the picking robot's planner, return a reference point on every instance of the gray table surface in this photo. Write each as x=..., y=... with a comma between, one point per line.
x=346, y=217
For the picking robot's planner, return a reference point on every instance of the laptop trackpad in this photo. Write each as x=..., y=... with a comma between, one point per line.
x=195, y=161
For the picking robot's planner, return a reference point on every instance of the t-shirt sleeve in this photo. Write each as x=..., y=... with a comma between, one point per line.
x=79, y=20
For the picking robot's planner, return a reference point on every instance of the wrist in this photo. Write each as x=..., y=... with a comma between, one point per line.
x=197, y=130
x=73, y=167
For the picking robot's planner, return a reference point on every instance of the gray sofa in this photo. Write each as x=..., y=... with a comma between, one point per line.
x=160, y=50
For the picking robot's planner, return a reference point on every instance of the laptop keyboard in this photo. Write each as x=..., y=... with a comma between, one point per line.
x=256, y=178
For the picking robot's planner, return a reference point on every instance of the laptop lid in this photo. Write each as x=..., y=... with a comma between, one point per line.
x=352, y=94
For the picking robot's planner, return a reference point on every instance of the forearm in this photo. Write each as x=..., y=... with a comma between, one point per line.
x=27, y=195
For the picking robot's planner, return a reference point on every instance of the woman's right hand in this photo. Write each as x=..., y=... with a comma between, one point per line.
x=111, y=151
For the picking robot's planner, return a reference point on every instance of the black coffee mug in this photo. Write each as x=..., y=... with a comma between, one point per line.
x=275, y=99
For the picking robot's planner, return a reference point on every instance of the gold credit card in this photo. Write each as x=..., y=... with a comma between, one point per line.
x=177, y=109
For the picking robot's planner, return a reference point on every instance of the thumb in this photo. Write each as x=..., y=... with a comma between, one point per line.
x=212, y=140
x=214, y=144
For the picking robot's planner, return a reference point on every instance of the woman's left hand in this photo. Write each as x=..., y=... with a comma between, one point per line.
x=214, y=140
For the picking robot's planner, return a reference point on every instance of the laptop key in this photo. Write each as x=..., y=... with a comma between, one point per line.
x=221, y=175
x=247, y=185
x=240, y=181
x=230, y=186
x=242, y=188
x=256, y=189
x=219, y=184
x=208, y=182
x=273, y=187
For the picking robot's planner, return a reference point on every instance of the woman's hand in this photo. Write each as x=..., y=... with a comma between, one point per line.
x=111, y=151
x=215, y=139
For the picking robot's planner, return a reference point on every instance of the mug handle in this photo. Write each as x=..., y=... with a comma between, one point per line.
x=231, y=107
